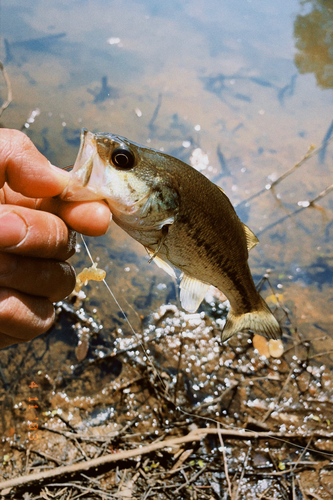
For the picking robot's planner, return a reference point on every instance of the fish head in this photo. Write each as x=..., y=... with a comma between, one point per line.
x=131, y=178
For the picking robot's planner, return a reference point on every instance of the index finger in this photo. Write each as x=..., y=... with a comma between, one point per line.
x=25, y=169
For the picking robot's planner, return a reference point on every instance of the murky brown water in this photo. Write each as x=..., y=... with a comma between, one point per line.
x=247, y=82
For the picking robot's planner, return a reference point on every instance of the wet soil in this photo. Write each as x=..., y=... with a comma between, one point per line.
x=83, y=392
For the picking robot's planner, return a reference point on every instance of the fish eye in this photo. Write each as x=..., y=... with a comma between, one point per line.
x=122, y=158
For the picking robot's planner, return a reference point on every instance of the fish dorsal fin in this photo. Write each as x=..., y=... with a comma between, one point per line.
x=251, y=239
x=162, y=264
x=192, y=293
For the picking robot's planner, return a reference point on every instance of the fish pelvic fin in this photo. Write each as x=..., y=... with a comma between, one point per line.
x=260, y=321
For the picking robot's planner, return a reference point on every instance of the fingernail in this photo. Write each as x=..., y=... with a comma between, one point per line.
x=12, y=229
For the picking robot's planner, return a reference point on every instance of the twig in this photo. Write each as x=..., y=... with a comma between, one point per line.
x=219, y=398
x=183, y=457
x=282, y=473
x=302, y=205
x=9, y=90
x=40, y=454
x=129, y=383
x=84, y=488
x=263, y=494
x=311, y=152
x=225, y=463
x=270, y=410
x=303, y=453
x=293, y=488
x=318, y=355
x=300, y=485
x=242, y=474
x=192, y=479
x=314, y=495
x=196, y=435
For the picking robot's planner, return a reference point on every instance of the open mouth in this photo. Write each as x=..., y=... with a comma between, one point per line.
x=86, y=177
x=85, y=158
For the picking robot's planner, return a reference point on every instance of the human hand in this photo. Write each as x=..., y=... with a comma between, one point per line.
x=35, y=239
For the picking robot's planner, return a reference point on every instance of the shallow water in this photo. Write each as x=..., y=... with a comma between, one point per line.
x=191, y=75
x=247, y=82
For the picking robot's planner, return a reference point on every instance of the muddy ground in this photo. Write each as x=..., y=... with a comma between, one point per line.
x=167, y=412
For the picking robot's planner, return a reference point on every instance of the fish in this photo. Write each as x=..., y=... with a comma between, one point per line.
x=184, y=221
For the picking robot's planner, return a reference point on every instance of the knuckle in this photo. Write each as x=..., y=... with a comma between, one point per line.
x=14, y=143
x=22, y=316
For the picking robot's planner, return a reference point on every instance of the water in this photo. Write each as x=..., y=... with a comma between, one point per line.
x=188, y=75
x=247, y=82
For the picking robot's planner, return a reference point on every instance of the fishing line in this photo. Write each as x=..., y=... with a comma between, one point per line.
x=114, y=298
x=109, y=290
x=145, y=352
x=149, y=358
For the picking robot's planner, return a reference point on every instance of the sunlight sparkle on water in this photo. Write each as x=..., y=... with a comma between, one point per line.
x=113, y=40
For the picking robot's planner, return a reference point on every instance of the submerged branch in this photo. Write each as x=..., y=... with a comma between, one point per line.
x=302, y=205
x=312, y=151
x=9, y=89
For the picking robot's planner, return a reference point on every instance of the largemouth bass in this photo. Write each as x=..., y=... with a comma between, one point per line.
x=181, y=218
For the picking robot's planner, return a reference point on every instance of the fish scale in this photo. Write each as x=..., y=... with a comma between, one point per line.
x=181, y=218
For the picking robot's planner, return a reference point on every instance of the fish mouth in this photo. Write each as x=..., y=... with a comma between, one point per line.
x=87, y=177
x=93, y=178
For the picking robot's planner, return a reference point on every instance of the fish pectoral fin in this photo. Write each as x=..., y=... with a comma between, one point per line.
x=161, y=263
x=251, y=239
x=192, y=293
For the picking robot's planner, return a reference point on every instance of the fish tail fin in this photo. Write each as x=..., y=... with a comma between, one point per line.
x=260, y=321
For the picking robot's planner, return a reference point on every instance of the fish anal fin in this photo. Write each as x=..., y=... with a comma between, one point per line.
x=192, y=293
x=260, y=321
x=162, y=264
x=251, y=239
